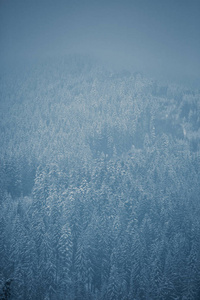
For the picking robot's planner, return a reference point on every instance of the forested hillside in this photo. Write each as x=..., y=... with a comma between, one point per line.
x=99, y=184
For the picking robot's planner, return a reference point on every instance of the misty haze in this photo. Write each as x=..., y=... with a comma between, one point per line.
x=99, y=150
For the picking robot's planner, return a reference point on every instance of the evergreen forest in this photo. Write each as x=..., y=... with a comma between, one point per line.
x=99, y=184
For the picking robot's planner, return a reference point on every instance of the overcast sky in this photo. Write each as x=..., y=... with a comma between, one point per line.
x=154, y=36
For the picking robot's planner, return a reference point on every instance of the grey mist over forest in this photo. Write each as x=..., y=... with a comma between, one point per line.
x=160, y=38
x=99, y=150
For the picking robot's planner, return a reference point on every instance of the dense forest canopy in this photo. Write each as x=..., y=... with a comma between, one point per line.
x=99, y=184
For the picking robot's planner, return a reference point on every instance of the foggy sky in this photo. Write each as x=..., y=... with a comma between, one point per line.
x=159, y=37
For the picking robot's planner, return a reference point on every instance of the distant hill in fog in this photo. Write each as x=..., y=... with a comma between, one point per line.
x=99, y=184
